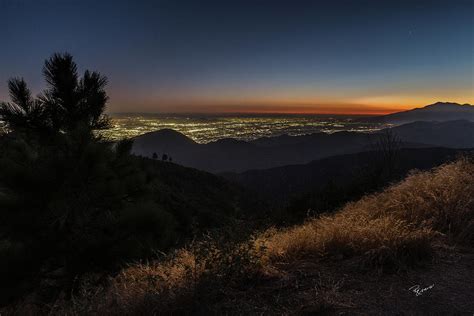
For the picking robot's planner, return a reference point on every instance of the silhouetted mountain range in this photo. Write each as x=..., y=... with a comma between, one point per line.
x=280, y=184
x=440, y=111
x=236, y=156
x=455, y=134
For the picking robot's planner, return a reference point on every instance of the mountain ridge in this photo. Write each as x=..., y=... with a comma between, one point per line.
x=231, y=155
x=439, y=111
x=281, y=184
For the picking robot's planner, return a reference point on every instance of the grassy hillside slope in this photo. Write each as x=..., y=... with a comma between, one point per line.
x=176, y=204
x=363, y=260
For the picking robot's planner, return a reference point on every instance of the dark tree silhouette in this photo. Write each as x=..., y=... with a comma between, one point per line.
x=164, y=157
x=68, y=103
x=387, y=150
x=384, y=166
x=71, y=101
x=23, y=112
x=73, y=203
x=155, y=156
x=69, y=200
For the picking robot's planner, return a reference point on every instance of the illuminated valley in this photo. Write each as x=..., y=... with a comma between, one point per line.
x=204, y=129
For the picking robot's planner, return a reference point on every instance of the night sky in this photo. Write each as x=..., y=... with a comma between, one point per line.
x=335, y=56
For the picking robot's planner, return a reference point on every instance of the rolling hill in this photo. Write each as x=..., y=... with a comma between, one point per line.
x=454, y=134
x=194, y=195
x=280, y=184
x=231, y=155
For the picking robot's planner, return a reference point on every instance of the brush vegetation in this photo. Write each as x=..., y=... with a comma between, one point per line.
x=390, y=231
x=73, y=203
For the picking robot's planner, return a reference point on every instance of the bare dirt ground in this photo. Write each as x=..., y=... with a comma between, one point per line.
x=330, y=288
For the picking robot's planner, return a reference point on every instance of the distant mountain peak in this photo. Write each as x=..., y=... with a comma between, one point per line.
x=167, y=132
x=444, y=103
x=439, y=111
x=167, y=135
x=447, y=104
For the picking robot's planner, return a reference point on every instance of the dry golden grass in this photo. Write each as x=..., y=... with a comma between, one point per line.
x=395, y=228
x=383, y=241
x=141, y=289
x=392, y=227
x=442, y=200
x=174, y=285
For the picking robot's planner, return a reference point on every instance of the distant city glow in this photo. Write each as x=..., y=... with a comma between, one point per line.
x=204, y=129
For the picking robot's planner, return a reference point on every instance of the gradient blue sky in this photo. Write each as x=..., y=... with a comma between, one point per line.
x=264, y=56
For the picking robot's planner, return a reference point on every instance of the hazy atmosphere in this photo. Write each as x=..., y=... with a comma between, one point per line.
x=341, y=56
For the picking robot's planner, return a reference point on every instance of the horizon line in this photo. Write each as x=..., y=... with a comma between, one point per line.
x=248, y=113
x=278, y=110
